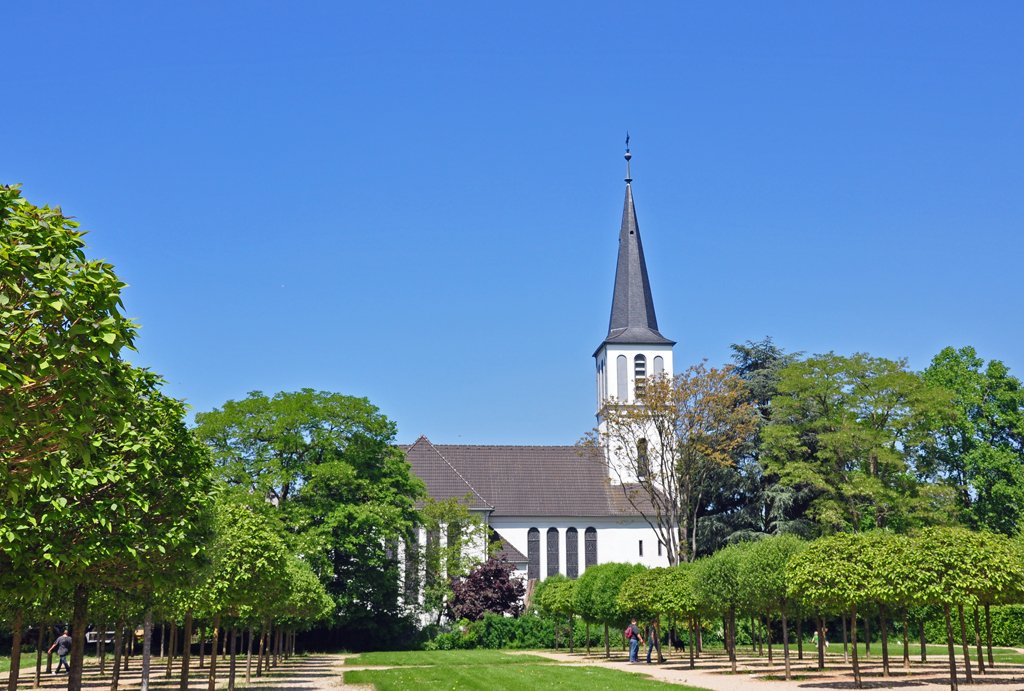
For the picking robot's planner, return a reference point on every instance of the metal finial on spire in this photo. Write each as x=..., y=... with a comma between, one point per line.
x=629, y=178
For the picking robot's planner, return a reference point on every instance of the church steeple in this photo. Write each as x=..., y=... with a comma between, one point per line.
x=633, y=320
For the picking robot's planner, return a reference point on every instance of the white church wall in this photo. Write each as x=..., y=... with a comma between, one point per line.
x=618, y=540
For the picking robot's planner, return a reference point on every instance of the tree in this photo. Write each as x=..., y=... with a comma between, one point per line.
x=490, y=587
x=843, y=428
x=716, y=584
x=61, y=334
x=978, y=450
x=596, y=595
x=763, y=581
x=678, y=431
x=328, y=464
x=454, y=546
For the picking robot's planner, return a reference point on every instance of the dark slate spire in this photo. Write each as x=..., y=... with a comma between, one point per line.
x=632, y=319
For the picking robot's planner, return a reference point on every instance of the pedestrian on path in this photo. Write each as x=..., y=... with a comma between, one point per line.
x=63, y=646
x=635, y=641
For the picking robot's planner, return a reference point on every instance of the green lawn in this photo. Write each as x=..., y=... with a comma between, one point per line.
x=489, y=669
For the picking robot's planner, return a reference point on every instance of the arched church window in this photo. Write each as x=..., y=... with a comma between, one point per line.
x=533, y=554
x=659, y=364
x=639, y=373
x=572, y=556
x=589, y=547
x=643, y=461
x=552, y=551
x=622, y=379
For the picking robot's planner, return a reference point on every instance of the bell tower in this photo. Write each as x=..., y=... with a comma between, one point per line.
x=634, y=349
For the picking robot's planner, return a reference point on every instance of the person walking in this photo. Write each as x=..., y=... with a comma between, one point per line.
x=635, y=641
x=652, y=638
x=63, y=646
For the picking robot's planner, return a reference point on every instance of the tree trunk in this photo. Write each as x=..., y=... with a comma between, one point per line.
x=906, y=643
x=232, y=666
x=101, y=648
x=799, y=638
x=693, y=640
x=846, y=640
x=988, y=636
x=952, y=650
x=820, y=622
x=115, y=668
x=212, y=679
x=572, y=636
x=78, y=624
x=977, y=641
x=186, y=651
x=700, y=638
x=163, y=636
x=853, y=640
x=172, y=641
x=248, y=659
x=202, y=644
x=867, y=636
x=147, y=645
x=15, y=670
x=966, y=646
x=657, y=643
x=785, y=643
x=768, y=635
x=49, y=653
x=924, y=644
x=732, y=638
x=588, y=638
x=755, y=639
x=885, y=642
x=39, y=655
x=259, y=657
x=129, y=646
x=607, y=643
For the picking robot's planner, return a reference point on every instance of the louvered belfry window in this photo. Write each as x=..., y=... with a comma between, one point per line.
x=572, y=556
x=590, y=547
x=533, y=554
x=552, y=551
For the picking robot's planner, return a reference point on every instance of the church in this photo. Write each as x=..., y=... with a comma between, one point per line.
x=560, y=509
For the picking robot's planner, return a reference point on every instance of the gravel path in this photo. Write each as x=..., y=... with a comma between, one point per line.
x=714, y=672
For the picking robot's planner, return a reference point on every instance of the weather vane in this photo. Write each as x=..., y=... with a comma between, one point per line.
x=627, y=141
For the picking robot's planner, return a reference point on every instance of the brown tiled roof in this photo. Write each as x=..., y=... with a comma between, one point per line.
x=520, y=480
x=506, y=550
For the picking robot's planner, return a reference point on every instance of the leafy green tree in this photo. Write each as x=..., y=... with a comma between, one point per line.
x=843, y=428
x=678, y=432
x=834, y=574
x=652, y=594
x=979, y=449
x=328, y=464
x=716, y=584
x=763, y=582
x=455, y=546
x=596, y=596
x=555, y=597
x=61, y=333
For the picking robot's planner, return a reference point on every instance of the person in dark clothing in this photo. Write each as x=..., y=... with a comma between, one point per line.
x=63, y=646
x=652, y=636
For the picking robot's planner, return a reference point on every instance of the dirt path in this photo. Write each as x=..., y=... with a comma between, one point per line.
x=755, y=674
x=302, y=673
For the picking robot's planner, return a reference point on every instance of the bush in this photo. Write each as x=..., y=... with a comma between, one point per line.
x=529, y=631
x=1007, y=626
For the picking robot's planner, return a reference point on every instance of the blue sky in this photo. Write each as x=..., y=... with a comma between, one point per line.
x=419, y=202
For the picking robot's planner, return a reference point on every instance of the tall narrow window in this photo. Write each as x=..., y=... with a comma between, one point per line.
x=454, y=538
x=659, y=548
x=432, y=557
x=641, y=548
x=659, y=364
x=552, y=551
x=589, y=547
x=621, y=379
x=639, y=373
x=572, y=556
x=643, y=462
x=412, y=571
x=533, y=554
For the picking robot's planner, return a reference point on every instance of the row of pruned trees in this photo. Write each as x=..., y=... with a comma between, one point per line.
x=898, y=581
x=110, y=509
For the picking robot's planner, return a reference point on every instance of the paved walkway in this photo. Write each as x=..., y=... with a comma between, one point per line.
x=755, y=674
